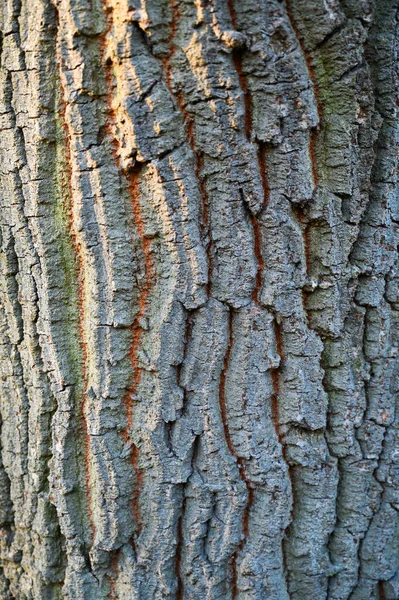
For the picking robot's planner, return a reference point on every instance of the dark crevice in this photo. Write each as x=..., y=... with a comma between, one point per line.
x=307, y=56
x=381, y=591
x=239, y=460
x=275, y=374
x=330, y=35
x=237, y=56
x=179, y=548
x=187, y=337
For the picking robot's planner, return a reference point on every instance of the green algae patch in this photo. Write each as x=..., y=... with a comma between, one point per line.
x=69, y=279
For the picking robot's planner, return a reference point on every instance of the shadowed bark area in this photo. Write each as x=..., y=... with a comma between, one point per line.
x=199, y=300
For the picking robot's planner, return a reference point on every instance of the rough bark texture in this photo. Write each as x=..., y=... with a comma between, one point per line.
x=199, y=299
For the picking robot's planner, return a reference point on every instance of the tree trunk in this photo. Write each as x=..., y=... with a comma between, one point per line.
x=199, y=300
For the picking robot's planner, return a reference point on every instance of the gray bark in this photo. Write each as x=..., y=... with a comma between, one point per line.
x=199, y=301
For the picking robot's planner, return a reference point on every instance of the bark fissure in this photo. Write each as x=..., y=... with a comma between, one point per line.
x=240, y=463
x=261, y=156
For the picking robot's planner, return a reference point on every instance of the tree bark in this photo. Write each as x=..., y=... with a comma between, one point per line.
x=199, y=299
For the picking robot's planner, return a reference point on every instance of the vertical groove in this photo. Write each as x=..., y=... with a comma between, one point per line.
x=259, y=258
x=312, y=153
x=307, y=56
x=237, y=61
x=180, y=587
x=312, y=147
x=312, y=138
x=381, y=592
x=261, y=154
x=180, y=535
x=261, y=151
x=80, y=276
x=113, y=579
x=133, y=178
x=172, y=49
x=249, y=485
x=275, y=414
x=276, y=381
x=309, y=63
x=305, y=228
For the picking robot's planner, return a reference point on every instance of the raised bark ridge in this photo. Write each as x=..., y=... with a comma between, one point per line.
x=199, y=299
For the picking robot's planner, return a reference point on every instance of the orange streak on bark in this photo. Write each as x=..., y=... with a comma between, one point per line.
x=381, y=592
x=80, y=272
x=133, y=178
x=312, y=152
x=189, y=124
x=133, y=181
x=114, y=567
x=233, y=14
x=237, y=61
x=262, y=150
x=259, y=258
x=240, y=462
x=172, y=49
x=222, y=390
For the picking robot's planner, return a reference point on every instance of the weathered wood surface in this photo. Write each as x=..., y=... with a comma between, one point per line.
x=199, y=299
